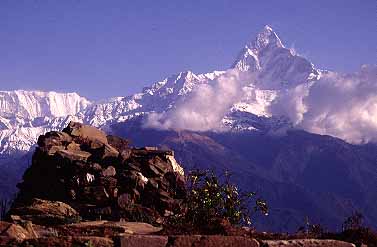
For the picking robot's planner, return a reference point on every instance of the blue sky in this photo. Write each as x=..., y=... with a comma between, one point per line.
x=113, y=48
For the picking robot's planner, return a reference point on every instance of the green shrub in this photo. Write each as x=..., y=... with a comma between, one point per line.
x=211, y=200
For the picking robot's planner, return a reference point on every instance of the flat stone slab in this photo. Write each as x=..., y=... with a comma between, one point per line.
x=110, y=227
x=143, y=241
x=305, y=243
x=223, y=241
x=212, y=241
x=74, y=155
x=66, y=241
x=139, y=228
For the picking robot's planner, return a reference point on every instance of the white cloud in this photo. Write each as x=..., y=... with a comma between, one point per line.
x=344, y=106
x=205, y=108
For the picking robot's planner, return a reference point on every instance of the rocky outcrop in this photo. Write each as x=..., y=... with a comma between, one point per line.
x=14, y=232
x=44, y=212
x=96, y=233
x=100, y=177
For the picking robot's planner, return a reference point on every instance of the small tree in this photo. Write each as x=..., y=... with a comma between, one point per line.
x=210, y=199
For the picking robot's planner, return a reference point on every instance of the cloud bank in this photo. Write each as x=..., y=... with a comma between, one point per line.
x=205, y=108
x=339, y=105
x=344, y=106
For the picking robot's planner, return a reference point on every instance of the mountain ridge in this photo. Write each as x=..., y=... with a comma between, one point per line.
x=252, y=131
x=278, y=70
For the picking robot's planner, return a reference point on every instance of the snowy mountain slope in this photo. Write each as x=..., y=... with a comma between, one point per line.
x=159, y=97
x=29, y=105
x=20, y=139
x=278, y=66
x=24, y=115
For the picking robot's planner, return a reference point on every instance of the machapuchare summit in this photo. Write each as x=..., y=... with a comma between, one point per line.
x=176, y=163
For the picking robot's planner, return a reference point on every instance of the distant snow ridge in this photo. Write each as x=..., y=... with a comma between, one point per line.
x=160, y=97
x=274, y=73
x=24, y=115
x=32, y=104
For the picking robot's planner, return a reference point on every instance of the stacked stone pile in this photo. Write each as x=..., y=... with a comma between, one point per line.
x=102, y=177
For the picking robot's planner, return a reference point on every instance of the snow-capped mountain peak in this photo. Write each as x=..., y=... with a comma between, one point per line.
x=265, y=38
x=26, y=114
x=277, y=66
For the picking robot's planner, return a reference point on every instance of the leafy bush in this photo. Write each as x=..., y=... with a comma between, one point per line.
x=212, y=201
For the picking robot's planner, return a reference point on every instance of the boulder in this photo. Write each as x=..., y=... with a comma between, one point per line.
x=104, y=155
x=85, y=132
x=109, y=172
x=74, y=155
x=109, y=228
x=45, y=212
x=96, y=167
x=152, y=171
x=109, y=152
x=54, y=138
x=139, y=228
x=13, y=231
x=53, y=149
x=160, y=164
x=50, y=207
x=73, y=146
x=118, y=143
x=125, y=155
x=96, y=194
